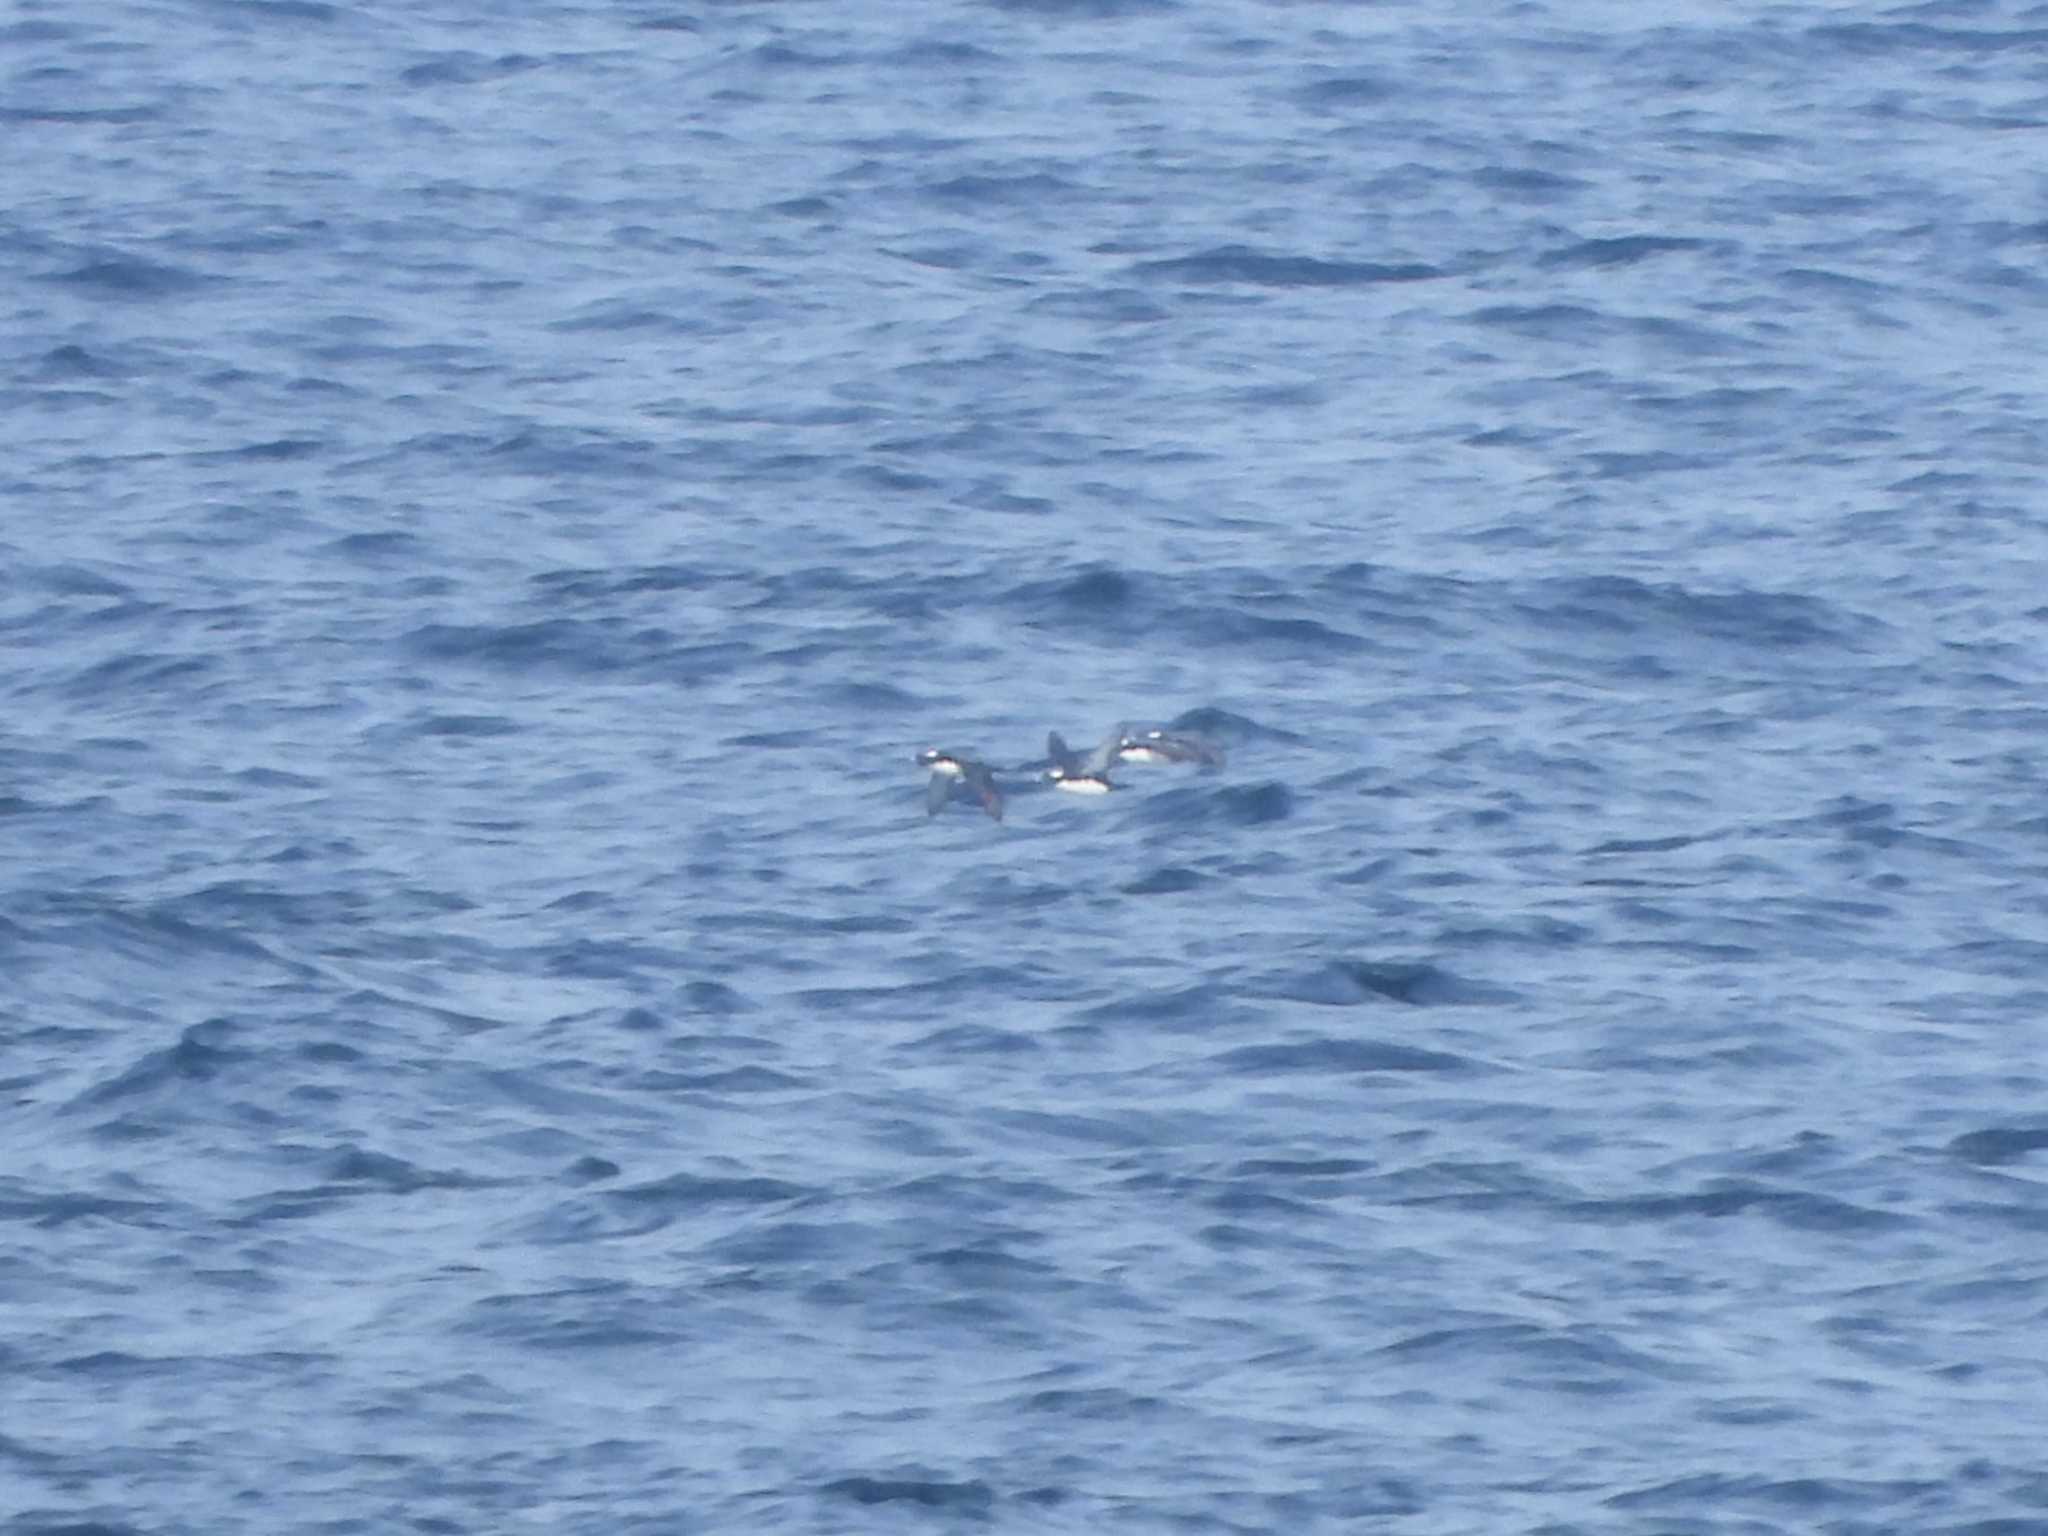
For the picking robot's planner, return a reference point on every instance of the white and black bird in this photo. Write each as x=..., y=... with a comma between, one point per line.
x=1166, y=747
x=1083, y=775
x=953, y=771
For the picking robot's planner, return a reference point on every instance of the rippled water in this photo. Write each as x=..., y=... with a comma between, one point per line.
x=496, y=497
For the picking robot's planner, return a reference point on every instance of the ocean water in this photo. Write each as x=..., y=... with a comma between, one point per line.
x=496, y=496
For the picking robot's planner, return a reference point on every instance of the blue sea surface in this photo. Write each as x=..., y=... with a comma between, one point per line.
x=494, y=499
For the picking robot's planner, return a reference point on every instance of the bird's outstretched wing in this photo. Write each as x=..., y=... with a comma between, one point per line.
x=983, y=783
x=1103, y=758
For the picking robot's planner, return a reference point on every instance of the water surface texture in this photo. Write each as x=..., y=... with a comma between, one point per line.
x=495, y=496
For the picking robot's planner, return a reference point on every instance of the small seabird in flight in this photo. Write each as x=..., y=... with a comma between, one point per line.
x=1166, y=747
x=1082, y=775
x=951, y=770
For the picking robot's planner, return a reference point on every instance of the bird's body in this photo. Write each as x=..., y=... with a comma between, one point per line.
x=1166, y=747
x=956, y=770
x=1080, y=775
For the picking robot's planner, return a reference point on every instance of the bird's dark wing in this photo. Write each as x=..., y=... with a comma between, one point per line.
x=1103, y=758
x=984, y=784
